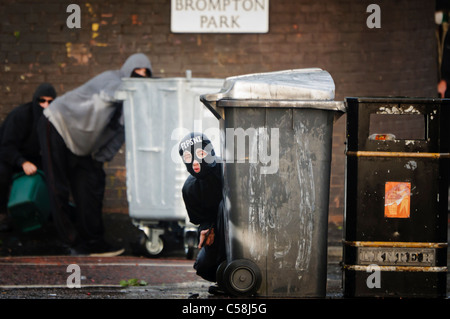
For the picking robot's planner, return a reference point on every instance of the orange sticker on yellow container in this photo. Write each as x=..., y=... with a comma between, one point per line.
x=397, y=200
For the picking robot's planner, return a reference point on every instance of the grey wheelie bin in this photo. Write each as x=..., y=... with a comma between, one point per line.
x=276, y=131
x=158, y=112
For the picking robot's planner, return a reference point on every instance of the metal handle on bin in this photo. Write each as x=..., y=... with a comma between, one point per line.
x=150, y=149
x=211, y=104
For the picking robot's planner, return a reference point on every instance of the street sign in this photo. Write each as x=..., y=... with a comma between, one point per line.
x=220, y=16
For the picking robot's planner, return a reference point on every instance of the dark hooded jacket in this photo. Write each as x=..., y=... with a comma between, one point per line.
x=202, y=198
x=89, y=118
x=202, y=191
x=18, y=134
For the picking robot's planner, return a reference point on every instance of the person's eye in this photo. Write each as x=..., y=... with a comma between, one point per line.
x=200, y=153
x=187, y=157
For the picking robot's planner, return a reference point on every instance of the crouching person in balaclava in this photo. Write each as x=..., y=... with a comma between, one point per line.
x=202, y=195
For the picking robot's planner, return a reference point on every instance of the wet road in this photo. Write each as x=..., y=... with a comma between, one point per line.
x=35, y=266
x=54, y=277
x=111, y=277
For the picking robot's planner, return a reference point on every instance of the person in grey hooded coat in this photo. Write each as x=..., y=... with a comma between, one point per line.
x=81, y=130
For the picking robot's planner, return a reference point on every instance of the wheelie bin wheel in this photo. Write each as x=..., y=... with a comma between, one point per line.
x=242, y=277
x=189, y=244
x=220, y=273
x=152, y=248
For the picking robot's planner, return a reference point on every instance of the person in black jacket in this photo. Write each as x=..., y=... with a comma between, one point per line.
x=202, y=195
x=19, y=144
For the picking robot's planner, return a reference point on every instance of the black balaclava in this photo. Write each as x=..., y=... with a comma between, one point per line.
x=198, y=154
x=45, y=89
x=147, y=71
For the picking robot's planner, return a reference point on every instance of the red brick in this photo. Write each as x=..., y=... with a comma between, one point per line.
x=398, y=59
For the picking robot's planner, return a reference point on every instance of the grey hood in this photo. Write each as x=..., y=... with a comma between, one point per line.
x=138, y=60
x=81, y=115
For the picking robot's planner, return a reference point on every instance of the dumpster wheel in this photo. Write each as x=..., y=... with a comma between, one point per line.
x=152, y=248
x=242, y=277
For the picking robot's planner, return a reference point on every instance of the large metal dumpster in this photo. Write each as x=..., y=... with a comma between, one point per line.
x=276, y=133
x=158, y=112
x=396, y=197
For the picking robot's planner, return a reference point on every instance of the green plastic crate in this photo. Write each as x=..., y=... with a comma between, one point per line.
x=29, y=204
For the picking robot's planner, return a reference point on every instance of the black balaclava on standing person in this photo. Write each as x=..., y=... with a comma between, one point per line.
x=19, y=144
x=18, y=134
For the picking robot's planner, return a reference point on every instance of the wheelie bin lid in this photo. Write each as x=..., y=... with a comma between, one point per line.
x=297, y=88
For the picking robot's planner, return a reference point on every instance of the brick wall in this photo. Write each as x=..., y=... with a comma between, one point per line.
x=397, y=59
